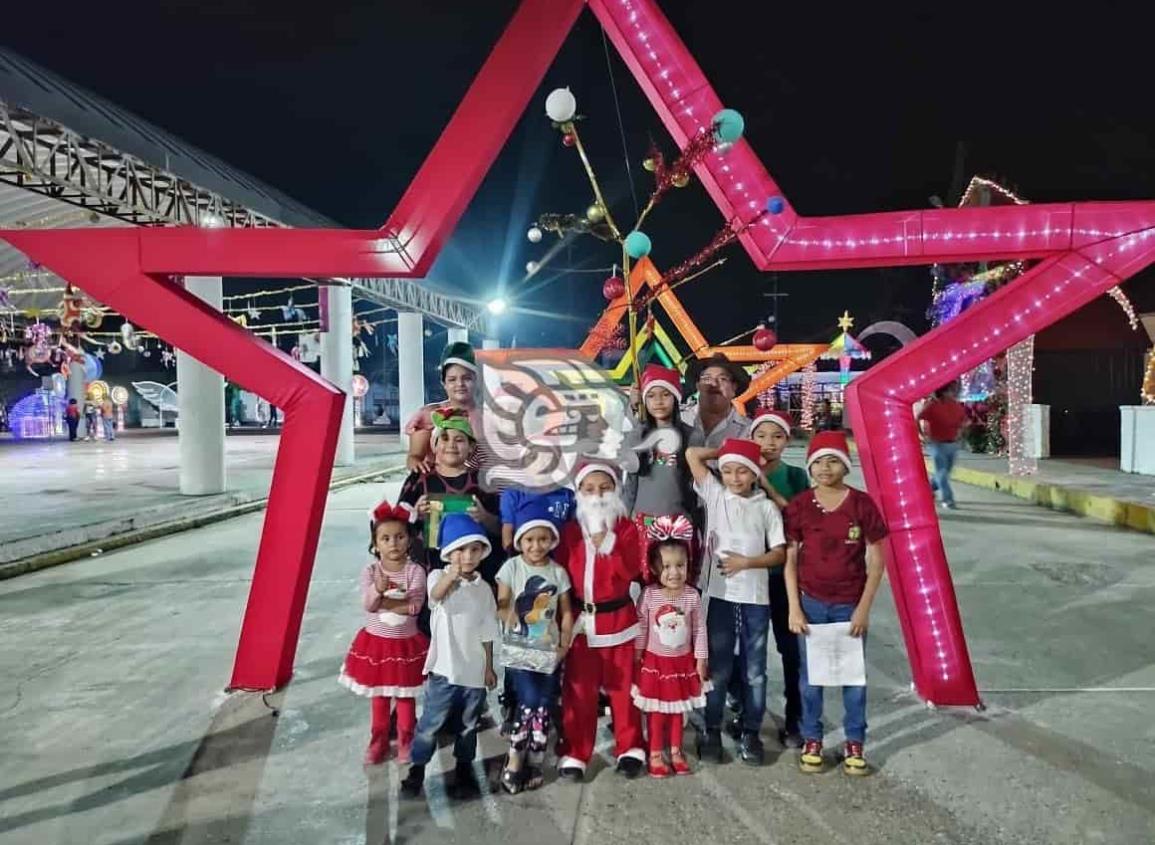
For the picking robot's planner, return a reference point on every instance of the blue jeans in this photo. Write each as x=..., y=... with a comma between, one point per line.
x=109, y=428
x=722, y=633
x=442, y=700
x=943, y=455
x=534, y=689
x=853, y=698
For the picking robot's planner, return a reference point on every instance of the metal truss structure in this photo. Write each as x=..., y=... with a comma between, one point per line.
x=40, y=155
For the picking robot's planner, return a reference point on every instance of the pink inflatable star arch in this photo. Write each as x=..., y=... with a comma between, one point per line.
x=1082, y=249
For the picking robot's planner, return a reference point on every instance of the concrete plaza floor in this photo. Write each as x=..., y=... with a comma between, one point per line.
x=58, y=494
x=116, y=729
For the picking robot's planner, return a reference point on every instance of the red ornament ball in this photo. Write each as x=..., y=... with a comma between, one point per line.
x=613, y=288
x=764, y=339
x=568, y=139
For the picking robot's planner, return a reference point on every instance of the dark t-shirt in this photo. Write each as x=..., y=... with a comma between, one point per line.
x=467, y=484
x=832, y=544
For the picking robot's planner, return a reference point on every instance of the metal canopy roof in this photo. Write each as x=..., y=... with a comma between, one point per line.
x=64, y=150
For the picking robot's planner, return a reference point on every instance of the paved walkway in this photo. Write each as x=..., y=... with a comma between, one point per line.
x=1090, y=487
x=59, y=494
x=116, y=731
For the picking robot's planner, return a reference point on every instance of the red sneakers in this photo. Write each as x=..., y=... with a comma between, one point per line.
x=853, y=763
x=810, y=760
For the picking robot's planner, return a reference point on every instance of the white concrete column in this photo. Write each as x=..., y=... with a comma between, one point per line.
x=490, y=343
x=76, y=384
x=410, y=364
x=201, y=400
x=337, y=362
x=458, y=335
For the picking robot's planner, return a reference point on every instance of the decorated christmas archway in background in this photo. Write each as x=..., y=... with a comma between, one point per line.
x=1085, y=248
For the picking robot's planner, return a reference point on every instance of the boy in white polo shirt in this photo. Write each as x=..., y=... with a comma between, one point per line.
x=463, y=628
x=744, y=540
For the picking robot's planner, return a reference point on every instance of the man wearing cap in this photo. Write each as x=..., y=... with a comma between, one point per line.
x=601, y=555
x=717, y=380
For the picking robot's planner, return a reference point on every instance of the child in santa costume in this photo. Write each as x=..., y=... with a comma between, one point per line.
x=744, y=541
x=600, y=551
x=662, y=484
x=387, y=657
x=833, y=569
x=672, y=677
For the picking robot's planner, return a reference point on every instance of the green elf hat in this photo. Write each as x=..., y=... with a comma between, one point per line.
x=460, y=353
x=454, y=418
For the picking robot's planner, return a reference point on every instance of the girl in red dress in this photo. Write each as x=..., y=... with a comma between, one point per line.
x=386, y=660
x=671, y=646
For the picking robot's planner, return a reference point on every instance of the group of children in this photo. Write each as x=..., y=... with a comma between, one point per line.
x=657, y=590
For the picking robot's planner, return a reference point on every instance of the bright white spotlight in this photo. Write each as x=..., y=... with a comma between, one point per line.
x=212, y=221
x=496, y=306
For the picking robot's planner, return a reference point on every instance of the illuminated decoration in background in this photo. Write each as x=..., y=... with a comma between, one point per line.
x=37, y=416
x=119, y=396
x=644, y=276
x=846, y=349
x=1116, y=293
x=809, y=377
x=1021, y=452
x=1147, y=391
x=765, y=397
x=97, y=390
x=161, y=396
x=1082, y=250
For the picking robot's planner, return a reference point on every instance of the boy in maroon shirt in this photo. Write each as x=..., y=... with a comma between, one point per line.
x=833, y=569
x=942, y=420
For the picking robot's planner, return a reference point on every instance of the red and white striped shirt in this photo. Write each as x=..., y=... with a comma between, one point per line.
x=381, y=622
x=671, y=627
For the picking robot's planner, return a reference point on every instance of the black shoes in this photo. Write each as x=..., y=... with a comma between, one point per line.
x=465, y=783
x=750, y=749
x=710, y=746
x=411, y=785
x=571, y=773
x=630, y=767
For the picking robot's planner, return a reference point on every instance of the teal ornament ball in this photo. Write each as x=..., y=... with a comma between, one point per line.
x=638, y=245
x=729, y=125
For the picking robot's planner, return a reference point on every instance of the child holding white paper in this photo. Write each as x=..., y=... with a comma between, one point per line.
x=833, y=569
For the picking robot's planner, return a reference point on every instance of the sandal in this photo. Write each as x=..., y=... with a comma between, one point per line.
x=511, y=781
x=535, y=778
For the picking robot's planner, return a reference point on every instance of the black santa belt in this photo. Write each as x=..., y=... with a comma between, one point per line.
x=596, y=607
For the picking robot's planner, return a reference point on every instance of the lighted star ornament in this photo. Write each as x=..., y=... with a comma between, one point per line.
x=1083, y=249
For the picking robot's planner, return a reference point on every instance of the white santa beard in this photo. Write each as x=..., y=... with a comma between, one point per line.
x=597, y=513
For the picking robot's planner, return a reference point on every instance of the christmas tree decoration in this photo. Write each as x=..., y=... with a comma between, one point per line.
x=846, y=348
x=531, y=267
x=809, y=379
x=775, y=205
x=680, y=180
x=595, y=213
x=1020, y=365
x=650, y=163
x=569, y=139
x=534, y=235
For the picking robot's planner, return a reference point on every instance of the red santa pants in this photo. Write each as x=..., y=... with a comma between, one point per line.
x=586, y=670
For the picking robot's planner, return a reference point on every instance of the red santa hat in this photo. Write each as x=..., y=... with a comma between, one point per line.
x=744, y=452
x=828, y=443
x=777, y=417
x=587, y=465
x=655, y=375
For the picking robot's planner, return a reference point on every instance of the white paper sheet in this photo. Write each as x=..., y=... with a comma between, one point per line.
x=833, y=657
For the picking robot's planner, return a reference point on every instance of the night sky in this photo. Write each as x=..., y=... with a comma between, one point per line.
x=853, y=109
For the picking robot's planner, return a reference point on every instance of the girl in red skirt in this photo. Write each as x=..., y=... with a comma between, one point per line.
x=672, y=673
x=386, y=659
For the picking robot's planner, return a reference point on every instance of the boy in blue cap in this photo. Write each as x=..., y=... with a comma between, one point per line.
x=459, y=669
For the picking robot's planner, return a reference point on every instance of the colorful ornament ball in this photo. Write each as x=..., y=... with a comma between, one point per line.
x=729, y=125
x=613, y=287
x=638, y=245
